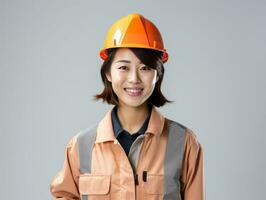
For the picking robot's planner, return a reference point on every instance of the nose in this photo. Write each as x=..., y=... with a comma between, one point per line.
x=133, y=77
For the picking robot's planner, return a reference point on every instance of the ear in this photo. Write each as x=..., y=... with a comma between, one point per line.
x=108, y=76
x=157, y=78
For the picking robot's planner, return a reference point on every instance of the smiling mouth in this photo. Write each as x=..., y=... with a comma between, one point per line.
x=134, y=91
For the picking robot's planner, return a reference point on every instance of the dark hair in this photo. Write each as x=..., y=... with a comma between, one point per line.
x=149, y=57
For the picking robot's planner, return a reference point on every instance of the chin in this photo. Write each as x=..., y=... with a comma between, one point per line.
x=133, y=104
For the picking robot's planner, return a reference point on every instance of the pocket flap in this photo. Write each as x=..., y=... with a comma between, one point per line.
x=154, y=184
x=94, y=184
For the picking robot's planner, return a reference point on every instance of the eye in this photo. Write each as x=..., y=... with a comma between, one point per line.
x=123, y=67
x=145, y=68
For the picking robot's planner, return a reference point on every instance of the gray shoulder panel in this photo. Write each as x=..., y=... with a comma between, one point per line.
x=85, y=141
x=173, y=159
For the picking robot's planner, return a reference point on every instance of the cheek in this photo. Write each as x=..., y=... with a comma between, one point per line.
x=150, y=79
x=117, y=82
x=117, y=78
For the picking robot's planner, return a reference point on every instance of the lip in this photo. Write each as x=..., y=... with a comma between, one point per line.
x=134, y=88
x=134, y=94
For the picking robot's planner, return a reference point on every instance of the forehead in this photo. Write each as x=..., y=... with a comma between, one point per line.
x=125, y=54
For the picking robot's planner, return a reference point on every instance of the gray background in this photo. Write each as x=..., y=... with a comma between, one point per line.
x=216, y=74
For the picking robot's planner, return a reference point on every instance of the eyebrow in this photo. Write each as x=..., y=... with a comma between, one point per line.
x=126, y=61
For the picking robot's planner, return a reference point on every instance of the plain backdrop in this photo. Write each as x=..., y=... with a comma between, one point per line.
x=216, y=74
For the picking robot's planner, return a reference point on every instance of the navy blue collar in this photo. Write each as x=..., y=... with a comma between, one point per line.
x=117, y=125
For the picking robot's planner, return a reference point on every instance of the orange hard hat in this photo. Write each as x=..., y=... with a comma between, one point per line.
x=134, y=31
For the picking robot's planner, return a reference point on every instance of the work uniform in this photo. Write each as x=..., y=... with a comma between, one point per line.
x=125, y=138
x=165, y=162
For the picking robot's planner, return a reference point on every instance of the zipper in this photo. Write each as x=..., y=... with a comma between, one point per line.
x=134, y=175
x=136, y=179
x=140, y=160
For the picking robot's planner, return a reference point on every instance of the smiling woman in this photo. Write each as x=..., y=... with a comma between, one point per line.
x=134, y=152
x=135, y=63
x=129, y=77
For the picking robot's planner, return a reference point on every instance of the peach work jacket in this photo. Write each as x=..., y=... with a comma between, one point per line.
x=166, y=163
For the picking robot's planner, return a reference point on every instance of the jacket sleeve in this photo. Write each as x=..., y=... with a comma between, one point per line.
x=64, y=185
x=192, y=177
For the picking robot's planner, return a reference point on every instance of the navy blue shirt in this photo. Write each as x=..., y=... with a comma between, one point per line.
x=125, y=138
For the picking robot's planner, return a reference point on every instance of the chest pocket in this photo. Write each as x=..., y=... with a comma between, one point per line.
x=92, y=186
x=153, y=187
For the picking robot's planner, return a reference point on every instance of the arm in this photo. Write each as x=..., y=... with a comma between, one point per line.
x=64, y=185
x=192, y=177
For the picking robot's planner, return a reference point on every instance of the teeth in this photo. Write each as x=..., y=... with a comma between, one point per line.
x=133, y=90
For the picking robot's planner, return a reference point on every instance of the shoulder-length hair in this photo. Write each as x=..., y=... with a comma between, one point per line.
x=149, y=57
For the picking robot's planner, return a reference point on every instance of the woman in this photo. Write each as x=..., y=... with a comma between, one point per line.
x=134, y=152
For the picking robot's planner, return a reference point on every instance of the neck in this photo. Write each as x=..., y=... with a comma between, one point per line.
x=132, y=118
